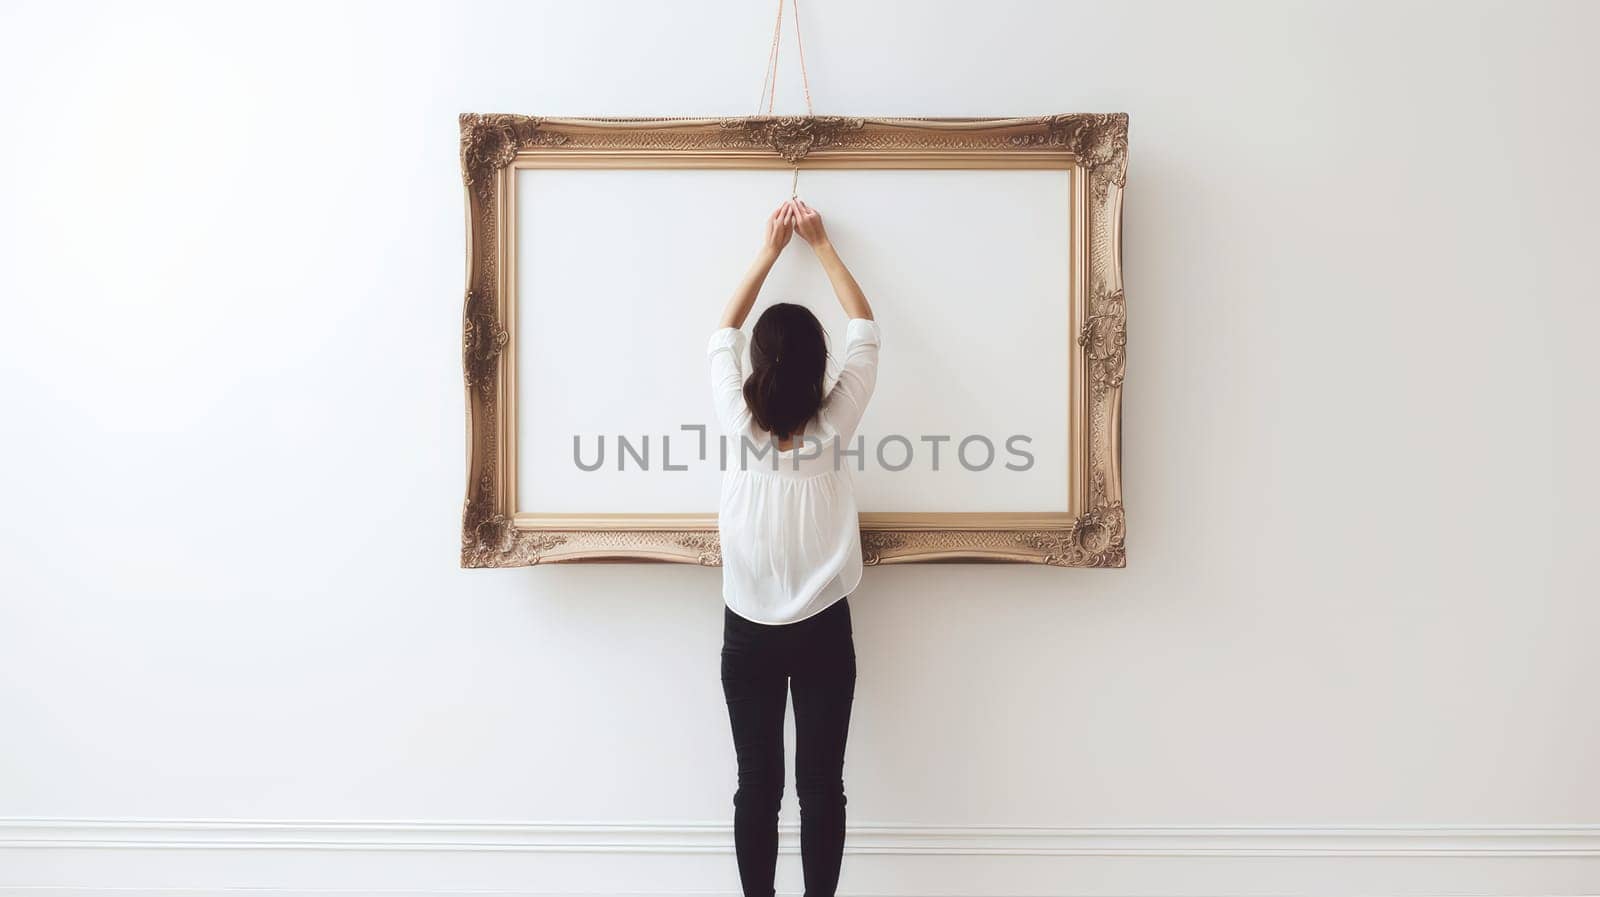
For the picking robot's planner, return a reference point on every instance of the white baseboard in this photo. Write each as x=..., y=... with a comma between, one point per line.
x=717, y=837
x=292, y=858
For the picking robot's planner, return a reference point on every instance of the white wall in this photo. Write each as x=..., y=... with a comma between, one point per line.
x=1360, y=427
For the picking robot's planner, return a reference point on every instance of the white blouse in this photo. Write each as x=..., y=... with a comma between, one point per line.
x=791, y=539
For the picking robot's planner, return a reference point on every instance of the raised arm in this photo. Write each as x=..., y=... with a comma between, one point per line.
x=780, y=227
x=858, y=375
x=809, y=225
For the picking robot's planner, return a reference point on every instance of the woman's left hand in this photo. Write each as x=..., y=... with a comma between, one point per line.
x=780, y=227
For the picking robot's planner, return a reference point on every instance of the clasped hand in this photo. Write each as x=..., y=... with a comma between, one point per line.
x=793, y=217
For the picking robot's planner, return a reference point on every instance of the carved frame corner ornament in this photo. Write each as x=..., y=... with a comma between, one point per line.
x=492, y=145
x=1099, y=140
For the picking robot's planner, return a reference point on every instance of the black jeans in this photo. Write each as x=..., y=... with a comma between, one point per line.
x=816, y=657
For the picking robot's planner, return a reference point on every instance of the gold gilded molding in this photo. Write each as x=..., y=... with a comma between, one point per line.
x=1098, y=141
x=492, y=145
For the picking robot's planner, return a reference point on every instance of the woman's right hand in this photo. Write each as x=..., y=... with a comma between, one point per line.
x=808, y=224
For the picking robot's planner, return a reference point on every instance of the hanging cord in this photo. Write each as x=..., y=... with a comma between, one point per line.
x=800, y=45
x=770, y=78
x=769, y=83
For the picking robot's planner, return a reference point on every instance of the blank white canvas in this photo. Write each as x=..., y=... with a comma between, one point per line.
x=621, y=276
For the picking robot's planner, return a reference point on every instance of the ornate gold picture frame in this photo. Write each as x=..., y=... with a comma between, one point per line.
x=1092, y=147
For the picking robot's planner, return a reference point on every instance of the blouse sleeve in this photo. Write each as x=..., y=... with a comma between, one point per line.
x=726, y=354
x=858, y=375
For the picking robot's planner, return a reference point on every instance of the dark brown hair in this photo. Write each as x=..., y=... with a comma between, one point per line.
x=788, y=362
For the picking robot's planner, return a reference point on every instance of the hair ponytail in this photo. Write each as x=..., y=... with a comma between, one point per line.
x=788, y=365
